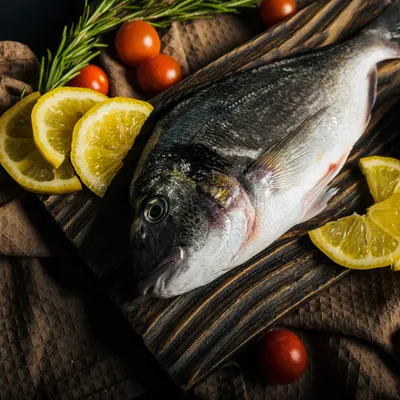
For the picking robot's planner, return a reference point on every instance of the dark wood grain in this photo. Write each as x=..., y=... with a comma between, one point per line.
x=194, y=333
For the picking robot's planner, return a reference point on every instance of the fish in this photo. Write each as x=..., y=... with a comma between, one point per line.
x=234, y=166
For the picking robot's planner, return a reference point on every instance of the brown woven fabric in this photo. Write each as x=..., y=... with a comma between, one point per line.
x=19, y=69
x=47, y=348
x=194, y=44
x=60, y=338
x=351, y=333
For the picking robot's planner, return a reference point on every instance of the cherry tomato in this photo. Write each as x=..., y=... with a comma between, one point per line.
x=158, y=74
x=281, y=357
x=274, y=11
x=135, y=42
x=91, y=77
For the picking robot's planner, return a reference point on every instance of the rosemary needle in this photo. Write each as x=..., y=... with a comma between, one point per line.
x=81, y=43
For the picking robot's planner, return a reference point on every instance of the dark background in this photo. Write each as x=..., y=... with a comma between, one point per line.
x=37, y=23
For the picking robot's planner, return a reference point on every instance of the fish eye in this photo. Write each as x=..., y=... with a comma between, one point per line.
x=156, y=210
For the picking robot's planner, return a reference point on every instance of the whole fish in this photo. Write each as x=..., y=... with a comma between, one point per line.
x=235, y=166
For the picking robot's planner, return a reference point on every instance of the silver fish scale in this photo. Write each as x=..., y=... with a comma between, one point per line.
x=250, y=111
x=248, y=158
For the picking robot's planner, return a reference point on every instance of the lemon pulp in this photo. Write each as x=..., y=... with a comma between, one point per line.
x=382, y=175
x=21, y=159
x=103, y=137
x=363, y=242
x=54, y=118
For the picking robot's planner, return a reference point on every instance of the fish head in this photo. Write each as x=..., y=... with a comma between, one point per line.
x=181, y=237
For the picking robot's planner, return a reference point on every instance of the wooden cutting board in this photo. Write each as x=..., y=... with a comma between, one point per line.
x=194, y=333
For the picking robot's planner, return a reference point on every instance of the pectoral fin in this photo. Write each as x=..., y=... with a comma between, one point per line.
x=319, y=204
x=317, y=200
x=285, y=162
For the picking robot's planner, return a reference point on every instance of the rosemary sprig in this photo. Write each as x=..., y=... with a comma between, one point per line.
x=80, y=42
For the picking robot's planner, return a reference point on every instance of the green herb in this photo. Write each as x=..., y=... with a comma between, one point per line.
x=81, y=42
x=23, y=93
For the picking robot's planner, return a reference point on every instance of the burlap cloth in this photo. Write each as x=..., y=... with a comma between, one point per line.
x=61, y=338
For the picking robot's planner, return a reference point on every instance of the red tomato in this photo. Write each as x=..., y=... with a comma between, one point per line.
x=158, y=74
x=281, y=357
x=91, y=77
x=274, y=11
x=135, y=42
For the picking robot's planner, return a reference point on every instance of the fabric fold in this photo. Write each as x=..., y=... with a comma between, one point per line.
x=53, y=317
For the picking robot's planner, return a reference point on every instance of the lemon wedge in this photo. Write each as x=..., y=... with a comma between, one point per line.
x=363, y=242
x=383, y=178
x=396, y=266
x=382, y=174
x=54, y=117
x=103, y=137
x=21, y=159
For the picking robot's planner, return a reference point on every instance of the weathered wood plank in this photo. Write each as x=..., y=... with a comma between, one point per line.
x=194, y=333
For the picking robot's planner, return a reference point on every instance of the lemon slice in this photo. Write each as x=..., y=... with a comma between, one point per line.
x=21, y=159
x=103, y=137
x=386, y=214
x=396, y=266
x=383, y=176
x=54, y=117
x=363, y=242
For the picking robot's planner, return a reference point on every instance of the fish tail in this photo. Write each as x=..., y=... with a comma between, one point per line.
x=386, y=28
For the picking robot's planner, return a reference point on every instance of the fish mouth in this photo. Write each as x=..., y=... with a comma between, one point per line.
x=162, y=271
